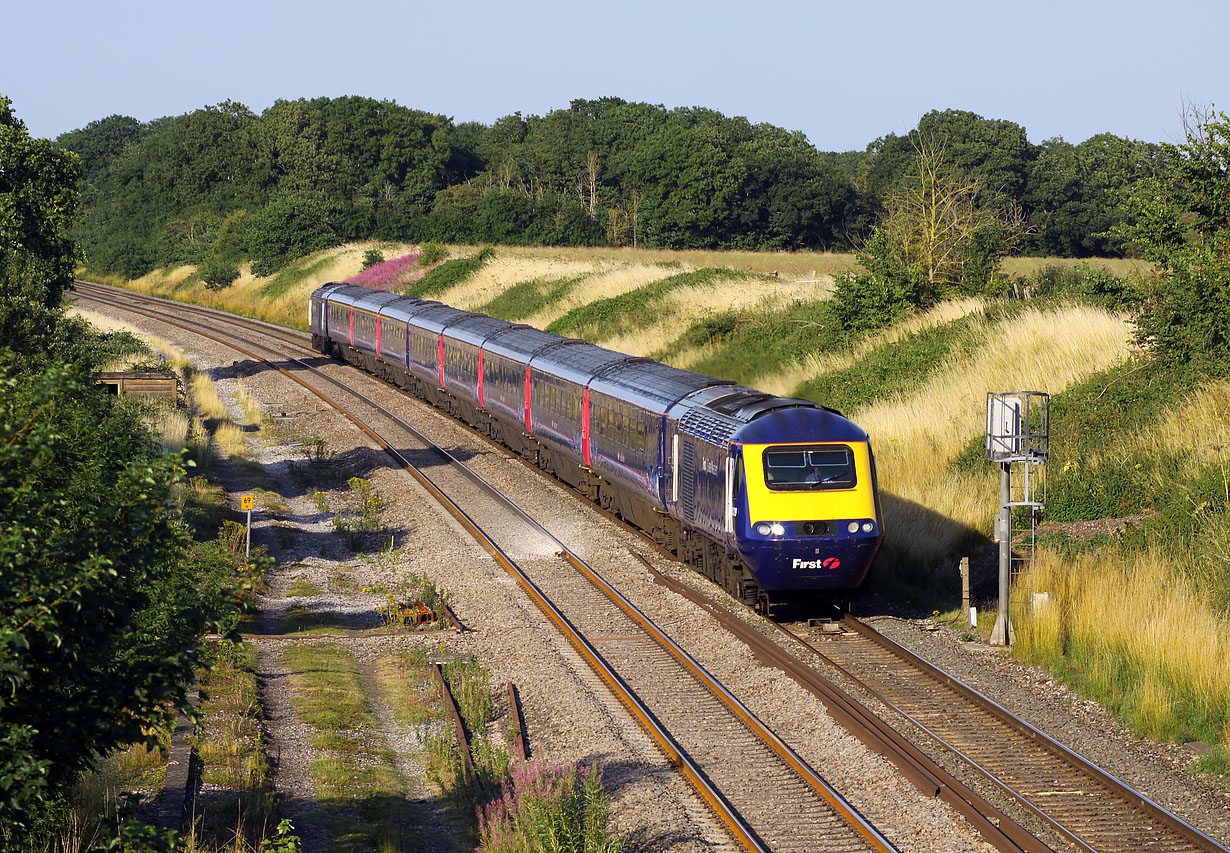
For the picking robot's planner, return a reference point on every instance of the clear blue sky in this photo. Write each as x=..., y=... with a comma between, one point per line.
x=843, y=73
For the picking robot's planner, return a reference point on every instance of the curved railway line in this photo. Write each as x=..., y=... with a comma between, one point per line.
x=1067, y=797
x=762, y=792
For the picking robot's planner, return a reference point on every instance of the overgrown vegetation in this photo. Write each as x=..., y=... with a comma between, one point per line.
x=598, y=319
x=549, y=807
x=104, y=595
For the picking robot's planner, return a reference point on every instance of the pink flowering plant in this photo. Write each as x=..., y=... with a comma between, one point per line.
x=390, y=275
x=560, y=808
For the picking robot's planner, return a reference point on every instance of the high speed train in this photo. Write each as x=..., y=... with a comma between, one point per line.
x=770, y=497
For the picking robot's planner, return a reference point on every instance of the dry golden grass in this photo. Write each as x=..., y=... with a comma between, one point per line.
x=605, y=283
x=1021, y=266
x=205, y=397
x=680, y=308
x=174, y=428
x=505, y=271
x=1143, y=613
x=917, y=435
x=789, y=265
x=231, y=439
x=787, y=380
x=244, y=295
x=1198, y=430
x=252, y=413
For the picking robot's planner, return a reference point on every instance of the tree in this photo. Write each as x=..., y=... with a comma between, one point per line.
x=1181, y=222
x=1074, y=195
x=290, y=226
x=940, y=225
x=38, y=203
x=100, y=615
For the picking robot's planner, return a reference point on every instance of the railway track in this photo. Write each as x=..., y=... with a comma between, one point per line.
x=1086, y=807
x=1079, y=804
x=763, y=793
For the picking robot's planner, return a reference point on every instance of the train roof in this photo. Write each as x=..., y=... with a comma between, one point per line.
x=375, y=301
x=327, y=288
x=439, y=316
x=793, y=424
x=651, y=384
x=477, y=328
x=347, y=294
x=579, y=362
x=403, y=308
x=524, y=342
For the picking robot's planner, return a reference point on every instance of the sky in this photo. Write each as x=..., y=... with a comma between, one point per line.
x=844, y=74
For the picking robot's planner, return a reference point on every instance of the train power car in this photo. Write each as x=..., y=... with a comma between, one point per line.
x=773, y=498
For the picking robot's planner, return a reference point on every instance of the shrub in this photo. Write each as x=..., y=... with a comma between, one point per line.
x=291, y=226
x=372, y=257
x=218, y=274
x=432, y=253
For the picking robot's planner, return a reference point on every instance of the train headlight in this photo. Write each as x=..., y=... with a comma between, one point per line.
x=868, y=527
x=764, y=528
x=852, y=527
x=778, y=528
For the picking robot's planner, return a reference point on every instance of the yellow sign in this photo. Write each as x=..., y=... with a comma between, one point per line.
x=245, y=502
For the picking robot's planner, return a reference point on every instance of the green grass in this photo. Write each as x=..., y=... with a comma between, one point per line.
x=760, y=342
x=450, y=273
x=895, y=368
x=526, y=297
x=229, y=743
x=301, y=620
x=295, y=273
x=604, y=317
x=406, y=679
x=361, y=795
x=301, y=587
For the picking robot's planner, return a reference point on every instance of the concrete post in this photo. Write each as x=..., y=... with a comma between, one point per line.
x=1001, y=634
x=965, y=588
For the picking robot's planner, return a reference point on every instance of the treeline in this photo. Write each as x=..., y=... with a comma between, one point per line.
x=223, y=185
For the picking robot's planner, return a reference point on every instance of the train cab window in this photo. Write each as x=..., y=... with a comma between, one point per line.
x=809, y=468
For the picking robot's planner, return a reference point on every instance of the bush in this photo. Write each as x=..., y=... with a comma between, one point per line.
x=218, y=274
x=431, y=253
x=291, y=226
x=1096, y=285
x=372, y=257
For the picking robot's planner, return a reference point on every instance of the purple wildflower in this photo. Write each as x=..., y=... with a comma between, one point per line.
x=389, y=275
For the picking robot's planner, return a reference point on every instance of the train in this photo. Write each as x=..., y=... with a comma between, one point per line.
x=773, y=498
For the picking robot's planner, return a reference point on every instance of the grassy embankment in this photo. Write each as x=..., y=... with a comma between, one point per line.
x=919, y=389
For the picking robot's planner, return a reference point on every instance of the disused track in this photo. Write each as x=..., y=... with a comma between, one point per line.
x=763, y=793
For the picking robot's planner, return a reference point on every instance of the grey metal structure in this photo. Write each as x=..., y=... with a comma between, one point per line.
x=1018, y=439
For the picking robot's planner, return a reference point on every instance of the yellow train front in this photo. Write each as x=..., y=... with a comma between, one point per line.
x=791, y=488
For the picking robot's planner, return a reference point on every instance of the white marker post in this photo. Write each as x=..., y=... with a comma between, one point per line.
x=245, y=503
